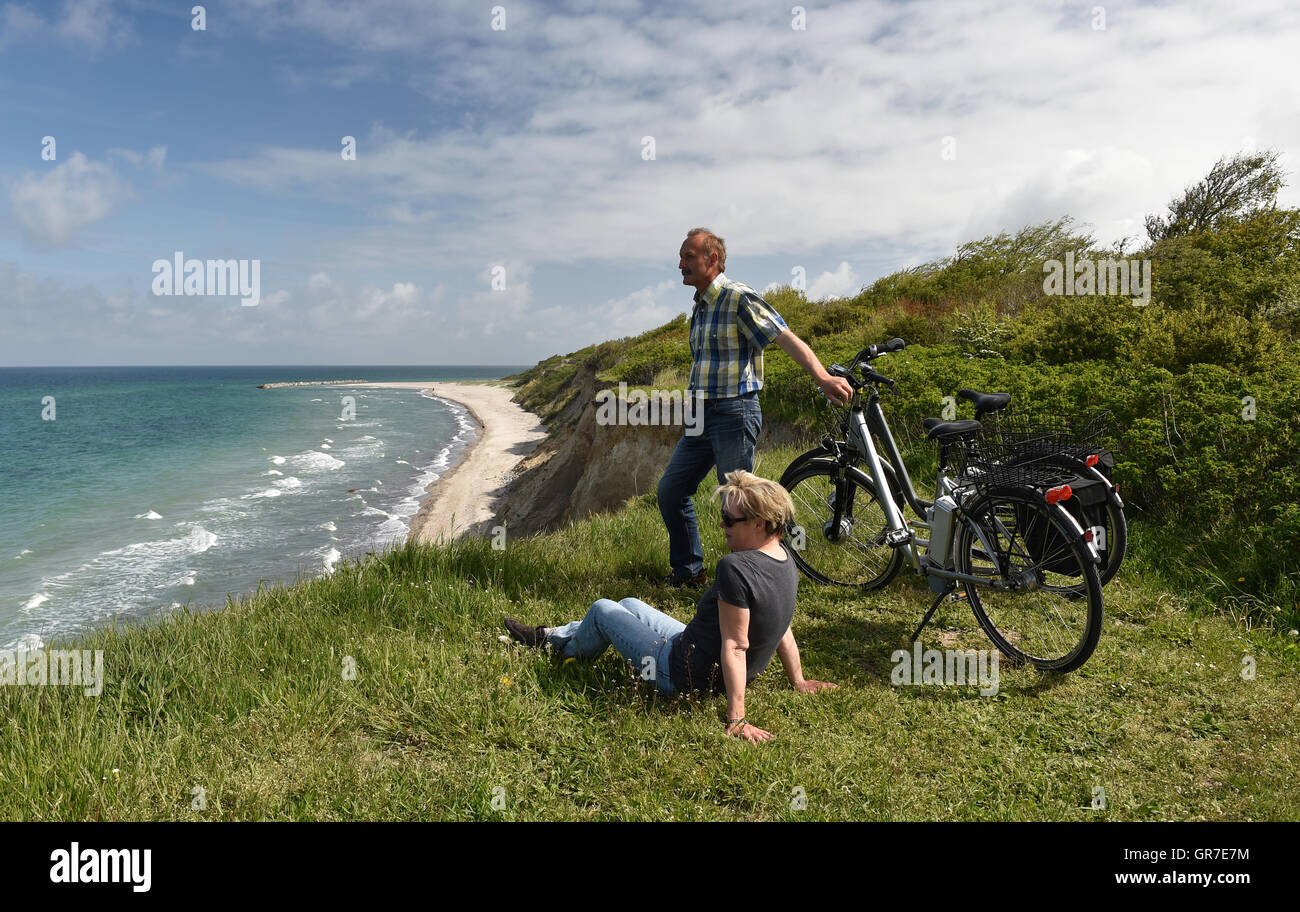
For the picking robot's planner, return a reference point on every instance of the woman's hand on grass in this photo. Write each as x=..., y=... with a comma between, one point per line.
x=812, y=687
x=749, y=732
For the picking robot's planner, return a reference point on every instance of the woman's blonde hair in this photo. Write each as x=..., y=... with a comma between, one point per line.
x=758, y=498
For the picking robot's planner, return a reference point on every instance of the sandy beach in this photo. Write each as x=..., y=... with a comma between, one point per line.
x=462, y=497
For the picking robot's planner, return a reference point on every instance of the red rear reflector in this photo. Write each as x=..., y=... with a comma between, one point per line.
x=1087, y=535
x=1093, y=459
x=1063, y=492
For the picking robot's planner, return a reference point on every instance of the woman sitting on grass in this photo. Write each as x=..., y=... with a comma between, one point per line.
x=739, y=622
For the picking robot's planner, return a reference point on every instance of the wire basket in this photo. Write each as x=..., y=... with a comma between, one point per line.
x=1023, y=436
x=1028, y=449
x=979, y=472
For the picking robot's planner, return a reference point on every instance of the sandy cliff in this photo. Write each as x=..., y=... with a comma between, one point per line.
x=584, y=467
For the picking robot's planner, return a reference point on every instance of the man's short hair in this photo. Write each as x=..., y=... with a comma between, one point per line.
x=712, y=244
x=758, y=498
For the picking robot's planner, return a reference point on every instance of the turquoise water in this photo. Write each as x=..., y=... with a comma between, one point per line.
x=157, y=487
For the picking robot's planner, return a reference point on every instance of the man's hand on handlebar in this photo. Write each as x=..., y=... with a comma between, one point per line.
x=836, y=389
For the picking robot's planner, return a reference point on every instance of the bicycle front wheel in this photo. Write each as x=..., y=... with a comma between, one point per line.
x=1042, y=601
x=839, y=527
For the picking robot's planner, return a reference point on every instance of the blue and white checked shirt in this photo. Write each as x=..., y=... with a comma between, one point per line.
x=730, y=327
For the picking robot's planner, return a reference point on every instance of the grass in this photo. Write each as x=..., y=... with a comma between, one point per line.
x=443, y=721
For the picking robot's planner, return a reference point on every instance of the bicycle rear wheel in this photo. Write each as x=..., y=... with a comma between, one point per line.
x=1110, y=536
x=1042, y=603
x=852, y=551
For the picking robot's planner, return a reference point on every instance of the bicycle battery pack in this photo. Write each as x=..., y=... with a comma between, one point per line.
x=941, y=520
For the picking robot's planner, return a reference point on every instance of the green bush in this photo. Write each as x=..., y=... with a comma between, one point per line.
x=978, y=332
x=1178, y=340
x=1242, y=269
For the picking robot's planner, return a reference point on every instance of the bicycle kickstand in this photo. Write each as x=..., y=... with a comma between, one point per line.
x=933, y=608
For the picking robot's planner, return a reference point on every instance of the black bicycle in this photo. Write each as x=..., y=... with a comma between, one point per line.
x=1073, y=444
x=997, y=528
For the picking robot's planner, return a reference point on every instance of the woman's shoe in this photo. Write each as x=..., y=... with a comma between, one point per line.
x=532, y=637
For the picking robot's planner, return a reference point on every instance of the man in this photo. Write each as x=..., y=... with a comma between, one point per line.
x=730, y=327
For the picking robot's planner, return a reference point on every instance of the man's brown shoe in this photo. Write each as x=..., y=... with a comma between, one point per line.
x=700, y=580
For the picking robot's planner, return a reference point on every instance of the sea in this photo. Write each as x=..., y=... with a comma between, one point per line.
x=126, y=492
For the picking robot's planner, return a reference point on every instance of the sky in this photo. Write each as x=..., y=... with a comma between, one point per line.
x=520, y=175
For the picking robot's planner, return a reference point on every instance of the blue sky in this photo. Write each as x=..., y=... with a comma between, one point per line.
x=524, y=149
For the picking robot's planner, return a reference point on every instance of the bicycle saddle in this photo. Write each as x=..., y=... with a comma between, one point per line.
x=986, y=402
x=936, y=428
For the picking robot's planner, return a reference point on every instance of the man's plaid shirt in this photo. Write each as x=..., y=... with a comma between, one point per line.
x=730, y=327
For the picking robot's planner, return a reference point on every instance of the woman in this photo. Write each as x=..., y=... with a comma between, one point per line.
x=740, y=622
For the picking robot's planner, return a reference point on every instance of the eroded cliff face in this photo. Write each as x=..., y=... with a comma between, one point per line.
x=586, y=466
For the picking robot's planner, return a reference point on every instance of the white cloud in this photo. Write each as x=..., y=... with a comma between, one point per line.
x=72, y=195
x=53, y=323
x=92, y=24
x=17, y=22
x=646, y=307
x=784, y=141
x=817, y=147
x=842, y=283
x=153, y=159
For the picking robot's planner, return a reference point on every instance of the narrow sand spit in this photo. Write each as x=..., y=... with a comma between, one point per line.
x=461, y=499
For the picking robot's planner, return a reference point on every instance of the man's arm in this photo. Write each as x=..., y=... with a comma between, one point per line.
x=788, y=652
x=837, y=389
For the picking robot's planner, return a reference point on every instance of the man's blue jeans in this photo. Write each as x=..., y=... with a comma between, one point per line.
x=729, y=432
x=641, y=635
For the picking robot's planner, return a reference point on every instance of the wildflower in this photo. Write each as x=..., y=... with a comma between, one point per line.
x=505, y=682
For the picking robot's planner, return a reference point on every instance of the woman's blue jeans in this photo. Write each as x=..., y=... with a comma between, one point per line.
x=641, y=635
x=729, y=433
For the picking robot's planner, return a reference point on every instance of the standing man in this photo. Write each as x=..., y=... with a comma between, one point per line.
x=730, y=327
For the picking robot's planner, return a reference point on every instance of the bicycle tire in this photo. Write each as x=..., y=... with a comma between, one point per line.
x=1112, y=543
x=1115, y=526
x=1115, y=529
x=856, y=553
x=1046, y=607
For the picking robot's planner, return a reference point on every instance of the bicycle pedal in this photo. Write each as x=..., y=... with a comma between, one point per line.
x=896, y=538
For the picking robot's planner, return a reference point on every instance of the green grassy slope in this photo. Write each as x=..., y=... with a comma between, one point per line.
x=252, y=704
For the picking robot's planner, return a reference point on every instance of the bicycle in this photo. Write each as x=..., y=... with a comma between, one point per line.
x=1027, y=567
x=1071, y=444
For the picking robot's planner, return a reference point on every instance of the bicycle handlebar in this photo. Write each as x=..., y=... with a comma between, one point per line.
x=859, y=363
x=874, y=351
x=874, y=377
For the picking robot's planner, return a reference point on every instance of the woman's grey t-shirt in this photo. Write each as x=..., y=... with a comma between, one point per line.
x=751, y=580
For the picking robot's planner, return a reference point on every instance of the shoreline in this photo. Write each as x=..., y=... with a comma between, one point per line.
x=457, y=502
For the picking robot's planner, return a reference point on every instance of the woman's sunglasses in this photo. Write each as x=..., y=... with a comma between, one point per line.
x=728, y=520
